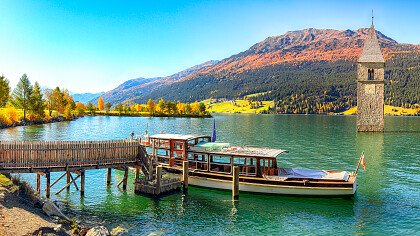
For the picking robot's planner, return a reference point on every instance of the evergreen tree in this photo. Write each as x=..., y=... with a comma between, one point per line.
x=37, y=103
x=4, y=91
x=22, y=94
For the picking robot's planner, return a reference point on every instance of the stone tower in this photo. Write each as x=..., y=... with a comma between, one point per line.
x=370, y=85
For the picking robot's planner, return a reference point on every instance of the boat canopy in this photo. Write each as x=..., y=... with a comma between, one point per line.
x=177, y=136
x=226, y=149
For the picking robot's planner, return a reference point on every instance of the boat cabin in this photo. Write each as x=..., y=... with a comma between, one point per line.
x=215, y=157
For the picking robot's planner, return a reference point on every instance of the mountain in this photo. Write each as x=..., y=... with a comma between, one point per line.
x=139, y=88
x=313, y=67
x=85, y=97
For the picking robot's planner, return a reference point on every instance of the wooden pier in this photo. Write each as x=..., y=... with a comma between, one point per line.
x=75, y=157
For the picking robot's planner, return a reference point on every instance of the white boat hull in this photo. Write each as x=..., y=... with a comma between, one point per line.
x=272, y=189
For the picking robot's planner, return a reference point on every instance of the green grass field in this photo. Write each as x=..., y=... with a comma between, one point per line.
x=237, y=106
x=389, y=111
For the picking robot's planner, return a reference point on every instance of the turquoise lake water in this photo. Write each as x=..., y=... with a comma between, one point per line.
x=387, y=200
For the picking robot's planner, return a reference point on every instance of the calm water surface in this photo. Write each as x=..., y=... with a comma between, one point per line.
x=387, y=201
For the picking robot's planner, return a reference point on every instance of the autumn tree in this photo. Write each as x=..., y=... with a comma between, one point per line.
x=194, y=107
x=101, y=103
x=180, y=107
x=4, y=91
x=59, y=102
x=151, y=106
x=22, y=94
x=80, y=109
x=161, y=106
x=107, y=107
x=37, y=103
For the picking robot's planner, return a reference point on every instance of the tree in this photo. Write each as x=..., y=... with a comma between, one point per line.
x=107, y=107
x=161, y=106
x=49, y=100
x=194, y=107
x=151, y=106
x=4, y=91
x=91, y=108
x=201, y=108
x=59, y=101
x=119, y=107
x=22, y=94
x=80, y=109
x=101, y=103
x=37, y=103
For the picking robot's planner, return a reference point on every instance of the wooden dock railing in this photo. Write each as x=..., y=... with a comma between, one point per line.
x=32, y=156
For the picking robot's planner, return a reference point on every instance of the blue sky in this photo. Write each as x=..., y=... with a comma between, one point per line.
x=91, y=46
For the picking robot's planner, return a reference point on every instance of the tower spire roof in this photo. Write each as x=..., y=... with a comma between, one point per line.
x=371, y=50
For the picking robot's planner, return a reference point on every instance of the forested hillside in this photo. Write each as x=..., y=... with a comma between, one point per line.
x=303, y=71
x=304, y=87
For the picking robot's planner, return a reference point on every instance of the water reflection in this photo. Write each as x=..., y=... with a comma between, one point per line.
x=387, y=199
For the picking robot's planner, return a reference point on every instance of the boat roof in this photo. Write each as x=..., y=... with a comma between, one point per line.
x=240, y=151
x=177, y=136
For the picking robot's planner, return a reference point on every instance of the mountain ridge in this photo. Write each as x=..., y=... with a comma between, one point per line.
x=287, y=52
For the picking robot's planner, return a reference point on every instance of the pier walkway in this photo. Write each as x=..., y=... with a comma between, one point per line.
x=73, y=158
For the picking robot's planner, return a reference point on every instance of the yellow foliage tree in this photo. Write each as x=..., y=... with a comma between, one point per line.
x=9, y=116
x=151, y=106
x=180, y=107
x=194, y=107
x=101, y=104
x=138, y=107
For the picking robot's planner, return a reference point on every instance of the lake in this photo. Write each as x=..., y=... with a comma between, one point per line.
x=387, y=200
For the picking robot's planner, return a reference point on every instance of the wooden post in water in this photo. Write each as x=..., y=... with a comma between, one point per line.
x=235, y=183
x=108, y=176
x=82, y=182
x=125, y=178
x=185, y=176
x=158, y=178
x=38, y=183
x=137, y=172
x=68, y=180
x=47, y=189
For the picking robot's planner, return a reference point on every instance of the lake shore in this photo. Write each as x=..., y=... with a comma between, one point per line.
x=152, y=115
x=37, y=122
x=20, y=216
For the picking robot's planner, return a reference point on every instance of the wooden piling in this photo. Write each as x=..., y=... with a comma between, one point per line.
x=235, y=183
x=48, y=188
x=137, y=172
x=158, y=178
x=125, y=179
x=185, y=175
x=108, y=176
x=68, y=180
x=82, y=182
x=38, y=183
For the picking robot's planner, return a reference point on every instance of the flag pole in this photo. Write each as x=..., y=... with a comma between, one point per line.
x=358, y=164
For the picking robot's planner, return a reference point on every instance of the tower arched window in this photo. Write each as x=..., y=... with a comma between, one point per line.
x=370, y=74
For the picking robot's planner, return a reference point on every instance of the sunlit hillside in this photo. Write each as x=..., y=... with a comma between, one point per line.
x=389, y=111
x=237, y=106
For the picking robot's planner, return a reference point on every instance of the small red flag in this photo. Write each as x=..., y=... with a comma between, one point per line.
x=362, y=161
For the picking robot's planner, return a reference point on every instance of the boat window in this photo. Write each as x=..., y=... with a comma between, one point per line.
x=247, y=165
x=163, y=143
x=220, y=164
x=178, y=145
x=197, y=161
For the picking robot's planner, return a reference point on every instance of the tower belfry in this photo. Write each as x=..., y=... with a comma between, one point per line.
x=370, y=85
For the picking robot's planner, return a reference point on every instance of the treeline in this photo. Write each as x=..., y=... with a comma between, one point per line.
x=151, y=108
x=306, y=87
x=27, y=103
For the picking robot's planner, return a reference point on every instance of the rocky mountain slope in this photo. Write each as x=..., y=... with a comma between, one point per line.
x=311, y=62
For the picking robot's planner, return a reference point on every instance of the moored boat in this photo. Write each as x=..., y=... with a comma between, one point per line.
x=211, y=165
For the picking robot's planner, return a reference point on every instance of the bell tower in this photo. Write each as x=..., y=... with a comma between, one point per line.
x=370, y=86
